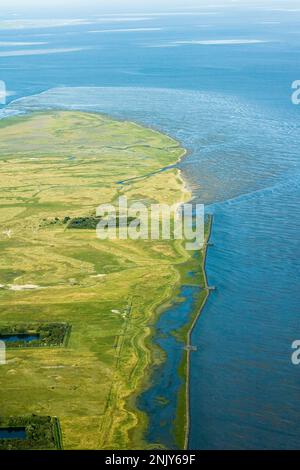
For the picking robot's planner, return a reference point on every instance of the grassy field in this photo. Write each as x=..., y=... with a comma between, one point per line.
x=64, y=164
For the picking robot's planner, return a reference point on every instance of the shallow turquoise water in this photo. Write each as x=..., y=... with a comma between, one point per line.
x=230, y=106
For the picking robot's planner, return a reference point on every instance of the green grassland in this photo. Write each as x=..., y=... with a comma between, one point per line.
x=64, y=164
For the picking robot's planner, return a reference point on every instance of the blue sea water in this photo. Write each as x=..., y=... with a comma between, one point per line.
x=230, y=105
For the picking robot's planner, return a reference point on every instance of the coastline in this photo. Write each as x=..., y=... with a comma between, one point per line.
x=178, y=271
x=190, y=332
x=182, y=422
x=159, y=308
x=182, y=419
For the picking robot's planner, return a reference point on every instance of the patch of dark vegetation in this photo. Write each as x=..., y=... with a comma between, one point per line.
x=36, y=433
x=92, y=222
x=89, y=222
x=84, y=222
x=26, y=335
